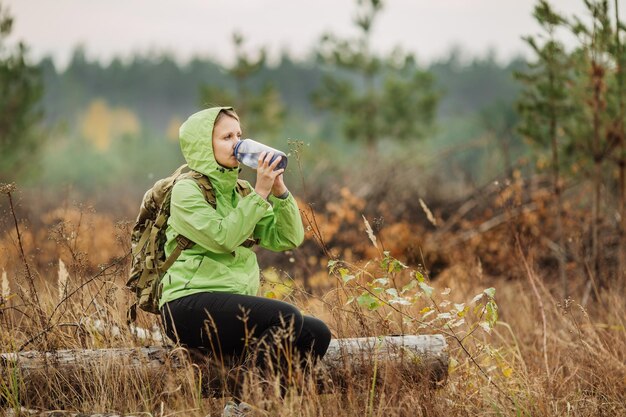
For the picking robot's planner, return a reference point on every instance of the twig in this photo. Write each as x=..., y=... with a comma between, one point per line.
x=48, y=326
x=21, y=247
x=317, y=233
x=7, y=189
x=491, y=223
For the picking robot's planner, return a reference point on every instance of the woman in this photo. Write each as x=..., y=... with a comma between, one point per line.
x=209, y=294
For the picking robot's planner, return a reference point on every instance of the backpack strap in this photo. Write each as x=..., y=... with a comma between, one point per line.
x=142, y=242
x=182, y=243
x=205, y=185
x=243, y=189
x=180, y=170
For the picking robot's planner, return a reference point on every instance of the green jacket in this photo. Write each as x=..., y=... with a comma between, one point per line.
x=217, y=262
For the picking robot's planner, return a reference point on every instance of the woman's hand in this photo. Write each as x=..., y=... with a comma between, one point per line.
x=265, y=174
x=279, y=188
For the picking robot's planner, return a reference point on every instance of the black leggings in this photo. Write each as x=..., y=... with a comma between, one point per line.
x=226, y=324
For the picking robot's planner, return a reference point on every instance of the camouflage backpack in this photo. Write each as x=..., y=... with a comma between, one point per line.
x=149, y=263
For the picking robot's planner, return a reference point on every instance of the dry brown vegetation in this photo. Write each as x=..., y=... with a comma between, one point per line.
x=544, y=355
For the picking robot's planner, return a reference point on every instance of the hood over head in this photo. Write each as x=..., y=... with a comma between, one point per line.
x=196, y=144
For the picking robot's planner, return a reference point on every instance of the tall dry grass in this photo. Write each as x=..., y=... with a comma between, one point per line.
x=544, y=355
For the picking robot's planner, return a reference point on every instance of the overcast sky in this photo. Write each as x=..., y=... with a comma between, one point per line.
x=186, y=28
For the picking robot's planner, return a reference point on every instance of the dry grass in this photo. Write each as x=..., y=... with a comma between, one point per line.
x=544, y=357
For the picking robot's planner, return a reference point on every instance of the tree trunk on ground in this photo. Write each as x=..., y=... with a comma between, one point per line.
x=423, y=358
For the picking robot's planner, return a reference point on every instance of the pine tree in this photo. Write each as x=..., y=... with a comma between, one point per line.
x=20, y=92
x=544, y=105
x=262, y=112
x=575, y=101
x=592, y=121
x=376, y=98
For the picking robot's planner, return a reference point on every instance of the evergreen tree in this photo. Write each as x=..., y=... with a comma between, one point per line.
x=20, y=92
x=377, y=98
x=544, y=105
x=592, y=122
x=574, y=103
x=262, y=112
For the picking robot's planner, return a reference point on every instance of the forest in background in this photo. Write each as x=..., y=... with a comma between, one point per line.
x=108, y=113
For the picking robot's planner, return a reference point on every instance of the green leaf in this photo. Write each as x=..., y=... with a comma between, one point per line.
x=377, y=290
x=345, y=276
x=408, y=287
x=392, y=291
x=459, y=307
x=477, y=298
x=419, y=276
x=398, y=266
x=401, y=301
x=391, y=264
x=491, y=313
x=491, y=292
x=368, y=301
x=485, y=326
x=428, y=290
x=381, y=281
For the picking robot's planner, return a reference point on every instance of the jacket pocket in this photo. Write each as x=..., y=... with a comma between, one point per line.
x=217, y=275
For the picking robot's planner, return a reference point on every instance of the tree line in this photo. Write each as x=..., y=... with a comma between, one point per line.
x=568, y=105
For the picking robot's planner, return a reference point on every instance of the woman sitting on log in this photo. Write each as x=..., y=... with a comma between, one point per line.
x=209, y=296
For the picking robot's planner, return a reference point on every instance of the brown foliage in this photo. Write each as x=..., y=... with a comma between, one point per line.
x=472, y=246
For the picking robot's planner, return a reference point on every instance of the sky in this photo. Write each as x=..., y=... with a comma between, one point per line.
x=188, y=28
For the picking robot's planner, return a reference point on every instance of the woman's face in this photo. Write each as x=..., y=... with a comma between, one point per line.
x=226, y=134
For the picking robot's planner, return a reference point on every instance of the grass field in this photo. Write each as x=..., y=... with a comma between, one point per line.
x=516, y=346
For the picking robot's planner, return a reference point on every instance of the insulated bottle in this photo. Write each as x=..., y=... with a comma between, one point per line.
x=247, y=152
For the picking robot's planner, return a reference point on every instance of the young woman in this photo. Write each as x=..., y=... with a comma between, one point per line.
x=209, y=299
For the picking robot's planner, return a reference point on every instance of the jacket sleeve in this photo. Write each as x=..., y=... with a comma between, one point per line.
x=281, y=227
x=193, y=217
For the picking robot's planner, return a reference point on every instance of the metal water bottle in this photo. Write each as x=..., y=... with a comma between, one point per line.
x=247, y=152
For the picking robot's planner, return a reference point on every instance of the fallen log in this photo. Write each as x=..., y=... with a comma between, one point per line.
x=423, y=357
x=428, y=351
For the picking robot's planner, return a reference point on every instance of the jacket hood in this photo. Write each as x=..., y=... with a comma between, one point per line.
x=196, y=144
